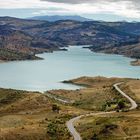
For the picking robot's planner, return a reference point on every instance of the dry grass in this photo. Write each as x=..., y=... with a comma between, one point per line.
x=29, y=116
x=117, y=126
x=94, y=97
x=132, y=88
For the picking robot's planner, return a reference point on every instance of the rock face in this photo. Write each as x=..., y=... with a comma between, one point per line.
x=29, y=37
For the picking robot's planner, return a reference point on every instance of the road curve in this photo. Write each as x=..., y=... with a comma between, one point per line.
x=133, y=103
x=71, y=128
x=70, y=123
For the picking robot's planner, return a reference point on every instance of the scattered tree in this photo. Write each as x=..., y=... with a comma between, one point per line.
x=55, y=108
x=121, y=104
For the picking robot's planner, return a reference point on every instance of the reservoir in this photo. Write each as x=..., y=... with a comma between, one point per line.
x=42, y=75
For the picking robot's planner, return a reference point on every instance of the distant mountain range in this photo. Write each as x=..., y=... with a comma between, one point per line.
x=25, y=38
x=56, y=18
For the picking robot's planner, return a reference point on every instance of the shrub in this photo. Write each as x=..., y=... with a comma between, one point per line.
x=55, y=108
x=121, y=104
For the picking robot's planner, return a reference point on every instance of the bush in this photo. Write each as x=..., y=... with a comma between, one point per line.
x=55, y=108
x=95, y=137
x=52, y=128
x=121, y=104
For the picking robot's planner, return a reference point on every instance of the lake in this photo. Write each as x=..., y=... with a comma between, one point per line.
x=47, y=74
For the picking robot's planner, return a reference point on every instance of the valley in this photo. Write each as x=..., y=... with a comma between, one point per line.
x=27, y=37
x=45, y=111
x=69, y=70
x=48, y=73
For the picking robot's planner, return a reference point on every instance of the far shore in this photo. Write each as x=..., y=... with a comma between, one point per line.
x=132, y=63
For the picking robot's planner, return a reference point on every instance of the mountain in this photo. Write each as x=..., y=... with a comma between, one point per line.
x=35, y=36
x=56, y=18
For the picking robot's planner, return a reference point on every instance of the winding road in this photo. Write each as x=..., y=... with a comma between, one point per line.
x=133, y=103
x=70, y=123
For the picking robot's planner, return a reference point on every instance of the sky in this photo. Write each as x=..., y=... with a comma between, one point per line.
x=108, y=10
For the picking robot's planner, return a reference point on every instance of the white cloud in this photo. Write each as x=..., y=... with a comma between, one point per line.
x=126, y=8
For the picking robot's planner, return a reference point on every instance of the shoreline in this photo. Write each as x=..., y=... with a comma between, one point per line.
x=35, y=57
x=135, y=62
x=5, y=61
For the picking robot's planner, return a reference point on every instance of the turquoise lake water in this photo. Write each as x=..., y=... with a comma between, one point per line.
x=47, y=74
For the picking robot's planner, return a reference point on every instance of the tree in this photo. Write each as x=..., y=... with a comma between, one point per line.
x=95, y=137
x=121, y=104
x=55, y=108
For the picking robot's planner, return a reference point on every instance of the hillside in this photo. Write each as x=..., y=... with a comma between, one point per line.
x=33, y=116
x=130, y=27
x=29, y=116
x=35, y=36
x=100, y=95
x=129, y=50
x=15, y=45
x=72, y=33
x=9, y=55
x=126, y=50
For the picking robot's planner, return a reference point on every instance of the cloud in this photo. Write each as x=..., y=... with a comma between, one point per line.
x=126, y=8
x=123, y=8
x=90, y=1
x=72, y=1
x=51, y=11
x=134, y=3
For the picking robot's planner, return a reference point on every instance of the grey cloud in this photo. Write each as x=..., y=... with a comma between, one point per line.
x=88, y=1
x=72, y=1
x=135, y=3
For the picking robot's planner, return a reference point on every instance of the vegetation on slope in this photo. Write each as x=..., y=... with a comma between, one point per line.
x=110, y=127
x=124, y=125
x=33, y=116
x=119, y=38
x=10, y=55
x=99, y=94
